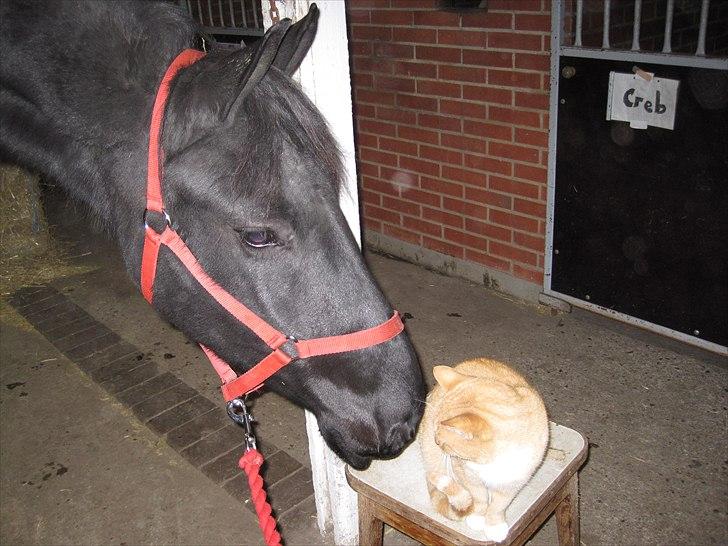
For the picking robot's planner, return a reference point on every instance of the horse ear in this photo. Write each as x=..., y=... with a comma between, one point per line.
x=257, y=60
x=297, y=42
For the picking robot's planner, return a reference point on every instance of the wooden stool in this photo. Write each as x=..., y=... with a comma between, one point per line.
x=394, y=492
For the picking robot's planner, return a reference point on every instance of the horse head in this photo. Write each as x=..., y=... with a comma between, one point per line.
x=252, y=179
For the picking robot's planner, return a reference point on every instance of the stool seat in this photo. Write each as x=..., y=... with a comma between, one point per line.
x=395, y=492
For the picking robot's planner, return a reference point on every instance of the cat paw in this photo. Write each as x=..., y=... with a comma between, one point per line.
x=476, y=523
x=496, y=532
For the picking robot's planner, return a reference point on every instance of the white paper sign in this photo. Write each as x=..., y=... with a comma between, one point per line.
x=642, y=100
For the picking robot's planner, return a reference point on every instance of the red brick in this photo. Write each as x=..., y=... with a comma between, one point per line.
x=398, y=146
x=377, y=127
x=419, y=166
x=370, y=32
x=369, y=141
x=372, y=225
x=396, y=114
x=536, y=243
x=488, y=197
x=441, y=186
x=442, y=217
x=378, y=213
x=528, y=21
x=437, y=18
x=513, y=220
x=388, y=83
x=464, y=143
x=514, y=116
x=510, y=151
x=440, y=89
x=461, y=37
x=415, y=35
x=528, y=274
x=423, y=197
x=488, y=130
x=532, y=208
x=393, y=50
x=514, y=40
x=511, y=78
x=442, y=247
x=371, y=64
x=463, y=109
x=513, y=187
x=381, y=186
x=439, y=54
x=397, y=178
x=485, y=93
x=497, y=59
x=375, y=97
x=532, y=100
x=487, y=164
x=488, y=230
x=378, y=156
x=361, y=80
x=465, y=208
x=442, y=123
x=400, y=205
x=468, y=177
x=442, y=155
x=364, y=111
x=487, y=260
x=358, y=16
x=533, y=138
x=533, y=61
x=371, y=198
x=466, y=239
x=360, y=48
x=420, y=70
x=417, y=134
x=529, y=172
x=402, y=234
x=392, y=17
x=361, y=4
x=487, y=19
x=461, y=73
x=416, y=102
x=421, y=226
x=512, y=253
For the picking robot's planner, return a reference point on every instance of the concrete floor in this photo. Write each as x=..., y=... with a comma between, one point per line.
x=77, y=467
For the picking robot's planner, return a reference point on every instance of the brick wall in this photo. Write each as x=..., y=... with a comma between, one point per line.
x=452, y=128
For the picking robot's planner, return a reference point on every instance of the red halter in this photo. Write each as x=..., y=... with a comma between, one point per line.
x=285, y=349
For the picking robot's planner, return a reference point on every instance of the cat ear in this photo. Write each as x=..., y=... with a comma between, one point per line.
x=468, y=425
x=447, y=377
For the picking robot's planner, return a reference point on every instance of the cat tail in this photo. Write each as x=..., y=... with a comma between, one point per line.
x=455, y=502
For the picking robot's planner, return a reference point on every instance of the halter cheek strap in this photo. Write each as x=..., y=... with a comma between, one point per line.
x=284, y=349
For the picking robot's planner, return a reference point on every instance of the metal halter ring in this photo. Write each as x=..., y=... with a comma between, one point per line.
x=167, y=219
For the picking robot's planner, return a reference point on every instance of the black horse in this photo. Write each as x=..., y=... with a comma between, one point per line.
x=251, y=182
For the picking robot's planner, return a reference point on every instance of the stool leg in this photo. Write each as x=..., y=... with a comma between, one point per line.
x=371, y=528
x=567, y=514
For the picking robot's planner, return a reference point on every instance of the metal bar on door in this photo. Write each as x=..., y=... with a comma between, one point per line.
x=245, y=17
x=255, y=13
x=703, y=28
x=605, y=29
x=636, y=25
x=199, y=12
x=209, y=13
x=667, y=46
x=232, y=13
x=222, y=17
x=579, y=16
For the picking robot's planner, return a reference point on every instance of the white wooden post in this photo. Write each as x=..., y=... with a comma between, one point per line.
x=324, y=76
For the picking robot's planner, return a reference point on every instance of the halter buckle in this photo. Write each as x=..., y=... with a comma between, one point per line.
x=289, y=348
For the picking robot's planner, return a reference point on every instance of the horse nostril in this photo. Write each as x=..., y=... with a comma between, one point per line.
x=397, y=437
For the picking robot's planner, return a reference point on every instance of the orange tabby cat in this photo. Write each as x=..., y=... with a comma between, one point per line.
x=483, y=434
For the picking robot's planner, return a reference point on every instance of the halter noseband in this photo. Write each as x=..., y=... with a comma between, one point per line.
x=284, y=349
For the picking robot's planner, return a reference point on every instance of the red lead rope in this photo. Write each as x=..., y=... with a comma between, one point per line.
x=251, y=463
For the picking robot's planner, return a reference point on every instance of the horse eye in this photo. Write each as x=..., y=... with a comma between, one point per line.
x=260, y=238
